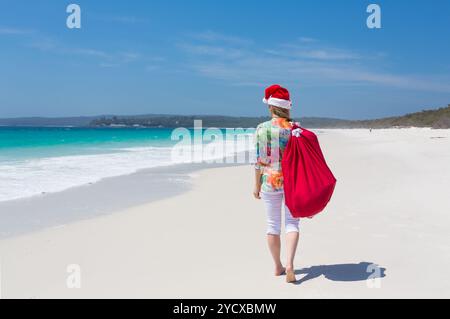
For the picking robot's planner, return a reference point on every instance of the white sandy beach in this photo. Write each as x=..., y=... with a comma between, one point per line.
x=391, y=208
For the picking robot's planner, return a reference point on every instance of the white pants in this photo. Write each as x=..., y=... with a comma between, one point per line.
x=274, y=203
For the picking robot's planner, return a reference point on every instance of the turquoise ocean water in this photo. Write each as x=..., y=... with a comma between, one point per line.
x=32, y=142
x=36, y=160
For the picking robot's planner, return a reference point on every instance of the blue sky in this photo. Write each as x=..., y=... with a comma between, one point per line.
x=216, y=57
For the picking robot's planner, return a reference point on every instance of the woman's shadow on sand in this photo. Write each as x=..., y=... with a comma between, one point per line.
x=342, y=272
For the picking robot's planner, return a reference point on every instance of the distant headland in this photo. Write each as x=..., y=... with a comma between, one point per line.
x=436, y=118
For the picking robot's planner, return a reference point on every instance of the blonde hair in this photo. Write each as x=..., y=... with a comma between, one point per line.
x=281, y=112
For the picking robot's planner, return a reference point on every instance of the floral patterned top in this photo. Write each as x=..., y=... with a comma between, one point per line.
x=271, y=138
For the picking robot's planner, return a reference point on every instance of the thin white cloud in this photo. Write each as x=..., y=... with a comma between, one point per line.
x=14, y=31
x=327, y=55
x=309, y=64
x=212, y=50
x=52, y=46
x=106, y=58
x=43, y=44
x=128, y=57
x=103, y=58
x=314, y=54
x=87, y=52
x=263, y=70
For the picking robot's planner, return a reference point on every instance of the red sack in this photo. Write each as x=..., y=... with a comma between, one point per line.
x=308, y=181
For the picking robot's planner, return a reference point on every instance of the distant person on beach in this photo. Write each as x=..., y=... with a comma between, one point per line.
x=271, y=139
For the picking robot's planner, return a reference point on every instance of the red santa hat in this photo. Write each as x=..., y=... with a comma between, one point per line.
x=277, y=96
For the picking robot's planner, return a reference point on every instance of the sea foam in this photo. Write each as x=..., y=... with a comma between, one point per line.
x=36, y=176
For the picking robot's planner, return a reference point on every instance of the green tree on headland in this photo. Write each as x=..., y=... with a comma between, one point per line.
x=439, y=118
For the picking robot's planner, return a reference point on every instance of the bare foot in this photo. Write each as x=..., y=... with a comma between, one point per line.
x=280, y=271
x=290, y=275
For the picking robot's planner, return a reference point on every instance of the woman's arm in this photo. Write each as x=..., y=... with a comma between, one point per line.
x=257, y=190
x=261, y=158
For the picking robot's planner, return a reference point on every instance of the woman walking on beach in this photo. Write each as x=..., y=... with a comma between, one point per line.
x=271, y=140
